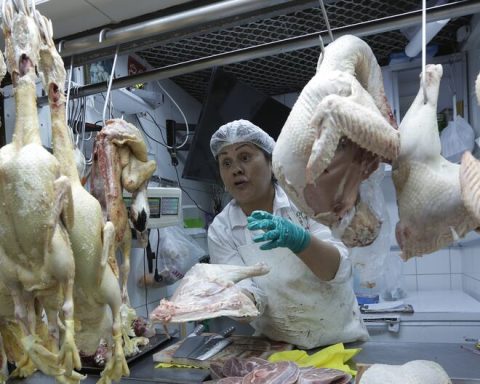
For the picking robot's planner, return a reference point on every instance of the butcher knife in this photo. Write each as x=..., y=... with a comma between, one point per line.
x=213, y=345
x=193, y=341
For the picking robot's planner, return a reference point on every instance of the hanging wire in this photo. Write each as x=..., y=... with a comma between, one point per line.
x=110, y=80
x=69, y=85
x=327, y=23
x=424, y=49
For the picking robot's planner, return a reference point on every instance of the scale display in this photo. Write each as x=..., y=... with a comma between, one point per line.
x=165, y=206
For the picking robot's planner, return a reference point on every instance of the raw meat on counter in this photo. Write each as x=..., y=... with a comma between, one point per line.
x=255, y=370
x=208, y=291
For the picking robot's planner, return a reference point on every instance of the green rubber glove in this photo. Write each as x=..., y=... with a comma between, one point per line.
x=279, y=232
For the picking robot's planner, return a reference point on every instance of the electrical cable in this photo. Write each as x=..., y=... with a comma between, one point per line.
x=181, y=112
x=156, y=276
x=160, y=129
x=109, y=88
x=146, y=134
x=145, y=280
x=190, y=197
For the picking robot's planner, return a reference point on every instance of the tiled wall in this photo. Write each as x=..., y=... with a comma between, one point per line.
x=471, y=270
x=453, y=268
x=437, y=271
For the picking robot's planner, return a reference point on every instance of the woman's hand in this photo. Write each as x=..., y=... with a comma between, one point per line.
x=279, y=232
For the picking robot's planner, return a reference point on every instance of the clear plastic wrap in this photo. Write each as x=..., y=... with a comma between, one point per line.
x=457, y=138
x=177, y=253
x=369, y=262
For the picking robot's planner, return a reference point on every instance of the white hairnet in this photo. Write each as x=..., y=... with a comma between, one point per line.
x=240, y=131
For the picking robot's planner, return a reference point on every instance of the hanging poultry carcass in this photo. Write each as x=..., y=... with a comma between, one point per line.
x=11, y=333
x=430, y=207
x=470, y=175
x=96, y=292
x=337, y=133
x=35, y=253
x=120, y=161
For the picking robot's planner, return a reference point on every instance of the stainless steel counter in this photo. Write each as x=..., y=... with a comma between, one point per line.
x=459, y=363
x=141, y=371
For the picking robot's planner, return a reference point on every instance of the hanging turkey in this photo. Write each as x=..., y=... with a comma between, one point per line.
x=337, y=133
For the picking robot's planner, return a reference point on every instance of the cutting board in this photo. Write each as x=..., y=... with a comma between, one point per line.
x=242, y=346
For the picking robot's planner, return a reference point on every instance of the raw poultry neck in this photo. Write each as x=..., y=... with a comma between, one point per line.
x=62, y=143
x=26, y=123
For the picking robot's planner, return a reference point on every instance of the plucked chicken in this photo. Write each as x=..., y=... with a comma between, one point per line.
x=208, y=291
x=470, y=175
x=413, y=372
x=96, y=291
x=35, y=252
x=338, y=131
x=431, y=211
x=120, y=161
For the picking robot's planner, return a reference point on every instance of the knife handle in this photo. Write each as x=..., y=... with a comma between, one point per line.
x=197, y=330
x=227, y=332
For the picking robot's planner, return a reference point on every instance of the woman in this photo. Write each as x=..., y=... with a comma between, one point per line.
x=307, y=298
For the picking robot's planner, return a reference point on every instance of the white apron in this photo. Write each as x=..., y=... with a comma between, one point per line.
x=302, y=309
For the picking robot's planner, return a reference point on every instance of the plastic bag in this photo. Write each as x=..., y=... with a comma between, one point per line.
x=393, y=282
x=457, y=138
x=368, y=262
x=177, y=253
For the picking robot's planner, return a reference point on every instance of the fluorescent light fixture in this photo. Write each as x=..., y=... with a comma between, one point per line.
x=414, y=47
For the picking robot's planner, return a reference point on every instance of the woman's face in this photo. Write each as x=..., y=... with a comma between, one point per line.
x=246, y=173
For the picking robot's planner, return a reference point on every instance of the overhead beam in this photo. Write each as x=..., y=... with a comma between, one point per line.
x=450, y=10
x=152, y=32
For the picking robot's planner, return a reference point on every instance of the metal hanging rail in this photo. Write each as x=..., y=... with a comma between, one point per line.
x=186, y=20
x=450, y=10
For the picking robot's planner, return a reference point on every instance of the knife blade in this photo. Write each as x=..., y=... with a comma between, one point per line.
x=211, y=342
x=193, y=341
x=217, y=347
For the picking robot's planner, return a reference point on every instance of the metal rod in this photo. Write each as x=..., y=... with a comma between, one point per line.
x=176, y=22
x=450, y=10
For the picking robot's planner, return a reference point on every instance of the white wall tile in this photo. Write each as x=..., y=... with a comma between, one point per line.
x=456, y=281
x=468, y=258
x=410, y=282
x=433, y=282
x=410, y=266
x=455, y=261
x=434, y=263
x=472, y=287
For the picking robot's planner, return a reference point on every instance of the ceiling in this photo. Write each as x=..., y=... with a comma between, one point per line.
x=273, y=75
x=289, y=72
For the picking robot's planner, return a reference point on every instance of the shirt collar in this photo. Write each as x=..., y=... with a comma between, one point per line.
x=239, y=219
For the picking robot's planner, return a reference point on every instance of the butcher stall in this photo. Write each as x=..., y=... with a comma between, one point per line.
x=108, y=185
